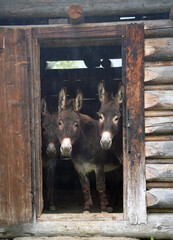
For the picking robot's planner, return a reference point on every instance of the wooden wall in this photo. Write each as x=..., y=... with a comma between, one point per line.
x=59, y=8
x=159, y=123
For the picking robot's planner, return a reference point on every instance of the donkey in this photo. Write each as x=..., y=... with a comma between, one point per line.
x=50, y=153
x=110, y=127
x=110, y=120
x=79, y=139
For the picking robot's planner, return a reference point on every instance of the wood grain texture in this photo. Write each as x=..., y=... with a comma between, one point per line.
x=160, y=198
x=158, y=75
x=159, y=149
x=15, y=156
x=159, y=49
x=159, y=125
x=159, y=100
x=159, y=172
x=55, y=8
x=75, y=14
x=160, y=226
x=164, y=113
x=133, y=136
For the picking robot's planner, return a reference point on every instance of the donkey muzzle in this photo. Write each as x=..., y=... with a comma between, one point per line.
x=51, y=150
x=66, y=147
x=106, y=140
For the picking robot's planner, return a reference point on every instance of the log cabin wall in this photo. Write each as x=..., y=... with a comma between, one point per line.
x=159, y=123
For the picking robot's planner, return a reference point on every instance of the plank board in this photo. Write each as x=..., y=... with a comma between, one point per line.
x=159, y=125
x=159, y=172
x=160, y=198
x=159, y=149
x=133, y=136
x=15, y=156
x=158, y=75
x=54, y=8
x=158, y=100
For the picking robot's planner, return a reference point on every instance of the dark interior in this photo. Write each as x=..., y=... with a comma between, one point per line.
x=68, y=193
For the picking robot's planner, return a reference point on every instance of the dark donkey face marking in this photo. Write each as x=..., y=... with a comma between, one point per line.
x=109, y=115
x=68, y=122
x=49, y=131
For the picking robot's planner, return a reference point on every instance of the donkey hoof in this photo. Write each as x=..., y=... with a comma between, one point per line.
x=104, y=209
x=52, y=208
x=86, y=212
x=110, y=209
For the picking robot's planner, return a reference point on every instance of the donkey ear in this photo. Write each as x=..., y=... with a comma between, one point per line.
x=120, y=95
x=78, y=101
x=102, y=92
x=62, y=99
x=43, y=107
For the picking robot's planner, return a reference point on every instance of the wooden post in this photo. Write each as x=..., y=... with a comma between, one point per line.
x=133, y=120
x=171, y=13
x=75, y=14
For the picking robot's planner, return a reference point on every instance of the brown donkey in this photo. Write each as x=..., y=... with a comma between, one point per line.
x=50, y=152
x=110, y=120
x=80, y=140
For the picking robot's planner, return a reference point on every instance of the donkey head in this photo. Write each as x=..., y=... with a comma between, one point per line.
x=49, y=131
x=68, y=121
x=109, y=115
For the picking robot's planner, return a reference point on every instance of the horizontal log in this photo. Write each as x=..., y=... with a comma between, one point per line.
x=50, y=9
x=166, y=113
x=158, y=99
x=151, y=185
x=158, y=87
x=158, y=64
x=160, y=75
x=67, y=34
x=159, y=125
x=159, y=172
x=162, y=149
x=158, y=49
x=159, y=138
x=160, y=198
x=160, y=161
x=160, y=226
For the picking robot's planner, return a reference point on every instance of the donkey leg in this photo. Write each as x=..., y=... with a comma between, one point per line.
x=51, y=181
x=86, y=191
x=101, y=188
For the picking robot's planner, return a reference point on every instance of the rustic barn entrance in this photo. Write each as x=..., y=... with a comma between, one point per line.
x=85, y=79
x=28, y=117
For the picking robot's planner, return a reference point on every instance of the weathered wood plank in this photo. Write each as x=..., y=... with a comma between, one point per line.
x=166, y=185
x=159, y=100
x=134, y=157
x=159, y=137
x=158, y=75
x=40, y=8
x=159, y=49
x=160, y=198
x=158, y=87
x=159, y=64
x=159, y=125
x=160, y=161
x=166, y=113
x=160, y=226
x=160, y=149
x=159, y=172
x=15, y=156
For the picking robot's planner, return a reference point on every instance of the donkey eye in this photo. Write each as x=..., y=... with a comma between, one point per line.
x=60, y=123
x=101, y=118
x=116, y=119
x=76, y=125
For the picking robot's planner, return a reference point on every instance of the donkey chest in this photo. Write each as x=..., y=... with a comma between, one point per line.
x=85, y=167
